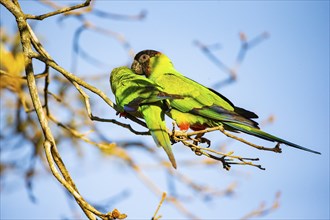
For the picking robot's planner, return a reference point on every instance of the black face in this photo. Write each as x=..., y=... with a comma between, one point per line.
x=140, y=64
x=144, y=53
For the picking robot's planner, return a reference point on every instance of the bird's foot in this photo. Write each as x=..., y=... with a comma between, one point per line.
x=203, y=140
x=225, y=161
x=200, y=139
x=277, y=148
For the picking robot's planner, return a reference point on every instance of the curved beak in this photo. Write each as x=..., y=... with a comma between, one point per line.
x=137, y=67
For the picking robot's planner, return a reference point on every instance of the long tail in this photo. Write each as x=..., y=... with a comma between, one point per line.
x=154, y=118
x=261, y=134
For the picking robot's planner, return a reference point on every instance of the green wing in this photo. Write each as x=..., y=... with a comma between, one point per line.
x=205, y=102
x=202, y=101
x=154, y=117
x=136, y=93
x=132, y=91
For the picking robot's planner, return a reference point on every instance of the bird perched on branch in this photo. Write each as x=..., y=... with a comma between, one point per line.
x=201, y=107
x=141, y=97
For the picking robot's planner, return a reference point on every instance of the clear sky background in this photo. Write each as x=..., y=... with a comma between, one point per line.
x=286, y=75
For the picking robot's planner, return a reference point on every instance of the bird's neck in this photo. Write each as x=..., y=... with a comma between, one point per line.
x=159, y=66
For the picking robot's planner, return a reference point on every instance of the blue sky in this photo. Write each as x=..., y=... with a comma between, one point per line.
x=286, y=75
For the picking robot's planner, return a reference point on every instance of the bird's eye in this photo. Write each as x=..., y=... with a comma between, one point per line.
x=143, y=58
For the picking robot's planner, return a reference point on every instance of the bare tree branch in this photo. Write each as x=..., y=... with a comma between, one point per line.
x=33, y=49
x=57, y=12
x=231, y=71
x=49, y=142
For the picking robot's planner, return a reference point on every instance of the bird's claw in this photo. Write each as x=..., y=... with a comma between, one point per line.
x=205, y=140
x=202, y=140
x=277, y=148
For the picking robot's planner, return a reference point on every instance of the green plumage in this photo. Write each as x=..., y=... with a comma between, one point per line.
x=141, y=97
x=201, y=107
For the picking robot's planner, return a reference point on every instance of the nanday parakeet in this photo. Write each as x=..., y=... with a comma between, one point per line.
x=141, y=97
x=201, y=107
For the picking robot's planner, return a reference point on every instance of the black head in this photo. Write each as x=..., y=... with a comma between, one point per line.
x=140, y=64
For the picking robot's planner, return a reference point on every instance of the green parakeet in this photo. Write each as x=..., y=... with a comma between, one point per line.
x=141, y=97
x=201, y=107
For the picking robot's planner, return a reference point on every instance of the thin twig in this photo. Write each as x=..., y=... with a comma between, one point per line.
x=57, y=12
x=231, y=71
x=155, y=216
x=49, y=143
x=276, y=149
x=37, y=76
x=47, y=59
x=262, y=210
x=95, y=118
x=154, y=188
x=88, y=25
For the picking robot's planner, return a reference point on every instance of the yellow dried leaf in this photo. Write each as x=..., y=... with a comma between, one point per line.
x=12, y=65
